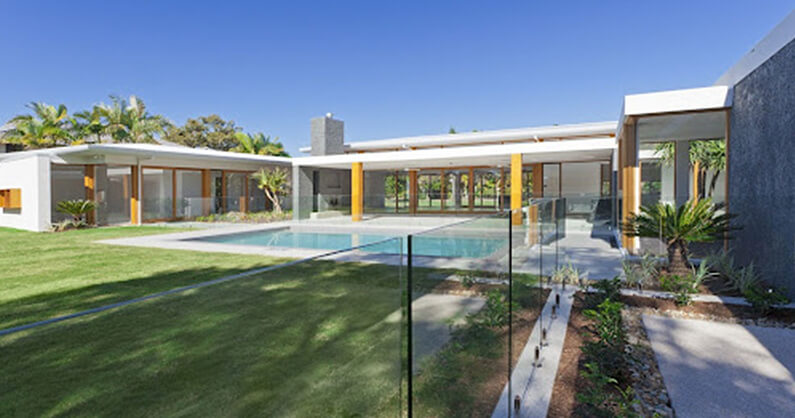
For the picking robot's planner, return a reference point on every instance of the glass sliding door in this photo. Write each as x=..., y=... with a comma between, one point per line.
x=158, y=194
x=235, y=191
x=429, y=184
x=66, y=183
x=486, y=190
x=551, y=180
x=113, y=194
x=189, y=194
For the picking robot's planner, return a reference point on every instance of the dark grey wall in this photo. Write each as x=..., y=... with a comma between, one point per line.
x=762, y=169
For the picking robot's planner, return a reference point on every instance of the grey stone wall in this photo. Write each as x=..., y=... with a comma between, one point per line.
x=762, y=169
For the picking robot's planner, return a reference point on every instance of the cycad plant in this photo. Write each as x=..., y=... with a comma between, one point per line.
x=694, y=221
x=272, y=182
x=77, y=209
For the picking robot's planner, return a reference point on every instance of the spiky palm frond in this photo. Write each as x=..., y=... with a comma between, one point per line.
x=48, y=126
x=77, y=209
x=272, y=182
x=699, y=221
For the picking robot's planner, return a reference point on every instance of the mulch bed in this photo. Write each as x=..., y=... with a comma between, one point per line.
x=568, y=380
x=713, y=311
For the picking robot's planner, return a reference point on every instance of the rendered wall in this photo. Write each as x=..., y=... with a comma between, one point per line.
x=762, y=169
x=32, y=176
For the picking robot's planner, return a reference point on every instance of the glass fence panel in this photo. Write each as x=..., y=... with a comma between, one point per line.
x=319, y=337
x=460, y=317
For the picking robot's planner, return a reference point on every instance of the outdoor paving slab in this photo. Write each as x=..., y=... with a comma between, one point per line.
x=715, y=369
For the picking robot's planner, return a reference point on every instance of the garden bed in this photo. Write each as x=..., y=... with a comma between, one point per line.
x=746, y=315
x=247, y=217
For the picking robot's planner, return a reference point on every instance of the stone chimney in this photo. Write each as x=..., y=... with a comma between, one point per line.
x=327, y=135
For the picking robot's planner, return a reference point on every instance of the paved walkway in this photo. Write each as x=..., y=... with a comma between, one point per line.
x=714, y=369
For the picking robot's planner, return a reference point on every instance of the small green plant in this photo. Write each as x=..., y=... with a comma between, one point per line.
x=744, y=280
x=607, y=328
x=605, y=289
x=683, y=287
x=496, y=313
x=600, y=400
x=566, y=274
x=467, y=279
x=765, y=300
x=77, y=209
x=642, y=272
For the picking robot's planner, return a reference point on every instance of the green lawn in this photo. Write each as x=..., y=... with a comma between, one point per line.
x=49, y=274
x=317, y=339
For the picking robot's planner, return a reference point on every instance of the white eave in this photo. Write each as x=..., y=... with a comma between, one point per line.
x=145, y=151
x=593, y=129
x=592, y=149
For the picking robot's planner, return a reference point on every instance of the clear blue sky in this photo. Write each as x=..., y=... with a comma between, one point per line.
x=386, y=68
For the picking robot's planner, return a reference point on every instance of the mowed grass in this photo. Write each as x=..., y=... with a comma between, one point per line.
x=43, y=275
x=316, y=339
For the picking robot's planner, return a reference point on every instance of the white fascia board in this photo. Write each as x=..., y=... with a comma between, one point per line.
x=463, y=138
x=672, y=101
x=460, y=153
x=145, y=151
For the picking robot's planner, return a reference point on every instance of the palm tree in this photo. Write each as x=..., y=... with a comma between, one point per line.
x=129, y=121
x=272, y=182
x=47, y=127
x=709, y=154
x=694, y=221
x=89, y=123
x=259, y=144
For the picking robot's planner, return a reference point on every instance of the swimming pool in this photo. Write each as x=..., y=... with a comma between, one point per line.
x=433, y=246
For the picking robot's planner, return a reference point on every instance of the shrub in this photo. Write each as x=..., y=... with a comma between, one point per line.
x=598, y=397
x=683, y=287
x=605, y=289
x=765, y=300
x=607, y=328
x=566, y=274
x=467, y=279
x=640, y=273
x=744, y=280
x=496, y=313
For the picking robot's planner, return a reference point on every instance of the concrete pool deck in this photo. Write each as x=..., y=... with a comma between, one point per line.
x=714, y=369
x=581, y=246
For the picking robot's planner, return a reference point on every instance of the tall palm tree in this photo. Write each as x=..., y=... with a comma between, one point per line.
x=90, y=124
x=259, y=144
x=129, y=121
x=47, y=127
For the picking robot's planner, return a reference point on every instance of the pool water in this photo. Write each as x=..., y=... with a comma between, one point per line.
x=434, y=246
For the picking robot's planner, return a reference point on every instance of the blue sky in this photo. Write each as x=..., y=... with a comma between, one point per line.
x=386, y=68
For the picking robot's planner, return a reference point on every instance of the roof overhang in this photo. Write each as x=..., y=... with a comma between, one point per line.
x=594, y=149
x=677, y=114
x=552, y=132
x=149, y=154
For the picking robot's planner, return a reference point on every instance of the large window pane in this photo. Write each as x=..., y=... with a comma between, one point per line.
x=66, y=184
x=157, y=202
x=235, y=191
x=189, y=194
x=114, y=194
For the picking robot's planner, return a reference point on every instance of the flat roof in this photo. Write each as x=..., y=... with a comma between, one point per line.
x=591, y=149
x=591, y=129
x=145, y=150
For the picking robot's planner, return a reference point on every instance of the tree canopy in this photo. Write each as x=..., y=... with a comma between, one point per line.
x=205, y=132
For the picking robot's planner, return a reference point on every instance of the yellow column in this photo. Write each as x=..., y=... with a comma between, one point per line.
x=696, y=170
x=357, y=189
x=88, y=183
x=631, y=181
x=516, y=189
x=134, y=198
